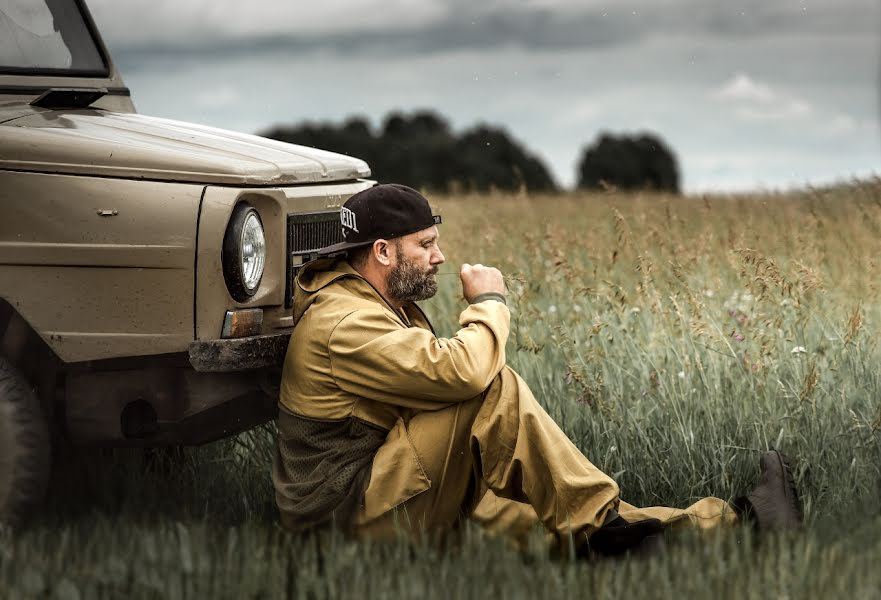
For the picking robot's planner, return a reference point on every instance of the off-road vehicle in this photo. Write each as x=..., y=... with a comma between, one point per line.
x=145, y=264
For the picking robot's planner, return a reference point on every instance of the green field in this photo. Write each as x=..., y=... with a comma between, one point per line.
x=673, y=339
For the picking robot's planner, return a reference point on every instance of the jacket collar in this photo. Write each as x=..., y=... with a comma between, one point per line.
x=324, y=272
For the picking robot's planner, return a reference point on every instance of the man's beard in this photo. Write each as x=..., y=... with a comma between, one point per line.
x=408, y=283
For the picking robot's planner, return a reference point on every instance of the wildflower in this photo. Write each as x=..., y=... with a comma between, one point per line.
x=737, y=336
x=681, y=374
x=798, y=350
x=709, y=293
x=635, y=310
x=745, y=303
x=739, y=316
x=552, y=308
x=731, y=302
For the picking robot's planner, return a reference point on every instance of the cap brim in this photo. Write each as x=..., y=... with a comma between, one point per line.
x=342, y=247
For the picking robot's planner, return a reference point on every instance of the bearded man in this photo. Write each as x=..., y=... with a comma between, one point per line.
x=386, y=429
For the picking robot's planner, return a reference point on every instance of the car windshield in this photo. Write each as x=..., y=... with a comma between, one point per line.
x=47, y=35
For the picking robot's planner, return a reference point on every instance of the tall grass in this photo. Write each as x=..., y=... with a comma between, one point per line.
x=672, y=338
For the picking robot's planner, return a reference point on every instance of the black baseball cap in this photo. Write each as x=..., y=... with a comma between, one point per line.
x=384, y=211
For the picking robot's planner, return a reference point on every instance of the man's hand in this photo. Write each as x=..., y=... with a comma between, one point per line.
x=477, y=280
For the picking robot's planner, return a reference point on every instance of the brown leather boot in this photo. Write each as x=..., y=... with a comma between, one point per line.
x=773, y=505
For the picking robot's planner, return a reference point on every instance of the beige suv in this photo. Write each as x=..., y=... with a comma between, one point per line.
x=145, y=264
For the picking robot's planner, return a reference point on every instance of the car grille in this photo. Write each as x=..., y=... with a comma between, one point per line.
x=308, y=233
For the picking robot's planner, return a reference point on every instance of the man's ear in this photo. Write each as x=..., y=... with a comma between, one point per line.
x=382, y=252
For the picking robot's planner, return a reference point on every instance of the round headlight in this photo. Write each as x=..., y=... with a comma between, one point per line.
x=253, y=255
x=244, y=252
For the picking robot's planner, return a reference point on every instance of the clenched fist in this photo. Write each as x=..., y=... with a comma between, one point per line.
x=477, y=280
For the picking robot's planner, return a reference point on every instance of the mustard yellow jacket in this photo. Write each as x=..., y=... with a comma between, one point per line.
x=356, y=370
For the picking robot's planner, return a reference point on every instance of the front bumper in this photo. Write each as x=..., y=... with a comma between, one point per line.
x=240, y=354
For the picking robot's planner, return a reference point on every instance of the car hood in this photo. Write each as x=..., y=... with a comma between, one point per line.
x=112, y=144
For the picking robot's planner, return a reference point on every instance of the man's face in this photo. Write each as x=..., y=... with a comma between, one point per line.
x=413, y=272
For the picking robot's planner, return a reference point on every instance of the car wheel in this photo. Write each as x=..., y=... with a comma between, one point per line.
x=24, y=447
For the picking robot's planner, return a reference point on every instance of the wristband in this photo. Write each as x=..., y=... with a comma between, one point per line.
x=489, y=296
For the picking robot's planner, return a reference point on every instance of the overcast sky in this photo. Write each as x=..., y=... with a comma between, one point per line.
x=749, y=93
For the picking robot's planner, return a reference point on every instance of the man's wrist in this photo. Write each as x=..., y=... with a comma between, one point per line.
x=488, y=296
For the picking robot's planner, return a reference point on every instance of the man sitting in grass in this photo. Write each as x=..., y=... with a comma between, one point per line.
x=385, y=428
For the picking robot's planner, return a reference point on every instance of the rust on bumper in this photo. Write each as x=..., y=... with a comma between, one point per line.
x=239, y=354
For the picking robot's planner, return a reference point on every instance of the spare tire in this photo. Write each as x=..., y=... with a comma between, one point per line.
x=24, y=447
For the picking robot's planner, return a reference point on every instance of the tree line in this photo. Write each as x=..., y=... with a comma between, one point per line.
x=420, y=149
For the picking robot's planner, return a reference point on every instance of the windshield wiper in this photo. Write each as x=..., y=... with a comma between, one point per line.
x=68, y=97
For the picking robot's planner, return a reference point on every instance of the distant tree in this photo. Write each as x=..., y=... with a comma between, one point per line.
x=637, y=162
x=415, y=150
x=490, y=158
x=420, y=149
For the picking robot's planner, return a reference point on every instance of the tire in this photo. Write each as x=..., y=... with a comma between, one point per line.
x=24, y=447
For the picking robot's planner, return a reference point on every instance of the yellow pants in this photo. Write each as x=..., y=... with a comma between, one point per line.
x=503, y=461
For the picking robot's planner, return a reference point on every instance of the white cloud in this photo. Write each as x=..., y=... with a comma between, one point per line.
x=754, y=100
x=787, y=110
x=743, y=87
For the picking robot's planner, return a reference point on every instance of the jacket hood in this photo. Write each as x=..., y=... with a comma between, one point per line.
x=319, y=274
x=111, y=144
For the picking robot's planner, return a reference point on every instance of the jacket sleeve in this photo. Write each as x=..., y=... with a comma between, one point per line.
x=373, y=356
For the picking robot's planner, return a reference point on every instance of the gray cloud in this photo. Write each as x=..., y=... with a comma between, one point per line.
x=362, y=25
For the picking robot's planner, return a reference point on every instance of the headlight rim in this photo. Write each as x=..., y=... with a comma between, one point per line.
x=233, y=253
